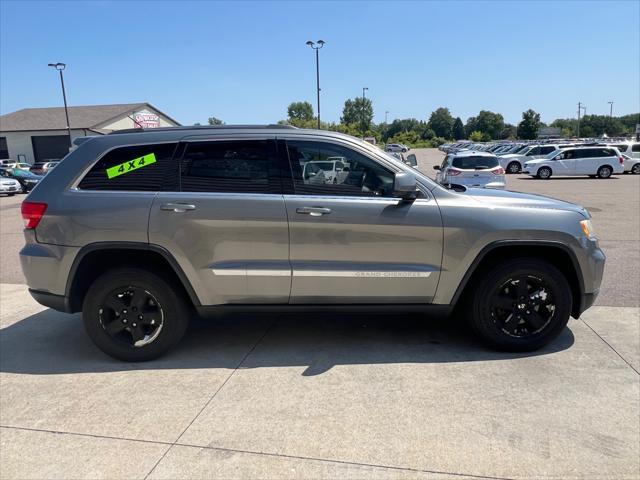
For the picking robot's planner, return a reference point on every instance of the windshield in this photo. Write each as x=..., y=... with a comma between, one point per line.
x=475, y=163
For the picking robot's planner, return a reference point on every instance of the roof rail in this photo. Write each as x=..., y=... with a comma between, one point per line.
x=203, y=127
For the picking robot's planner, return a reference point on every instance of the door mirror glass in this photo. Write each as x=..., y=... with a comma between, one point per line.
x=405, y=186
x=412, y=160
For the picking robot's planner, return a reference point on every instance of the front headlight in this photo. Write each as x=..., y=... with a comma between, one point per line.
x=587, y=228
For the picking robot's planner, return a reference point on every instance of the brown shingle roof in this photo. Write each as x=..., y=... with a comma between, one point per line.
x=90, y=116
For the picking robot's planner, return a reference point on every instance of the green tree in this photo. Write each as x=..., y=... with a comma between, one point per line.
x=458, y=129
x=215, y=121
x=441, y=122
x=358, y=111
x=529, y=126
x=300, y=111
x=509, y=131
x=476, y=136
x=489, y=123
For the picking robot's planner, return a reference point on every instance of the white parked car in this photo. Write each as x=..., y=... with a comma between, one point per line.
x=397, y=147
x=599, y=161
x=513, y=162
x=332, y=170
x=631, y=153
x=9, y=186
x=471, y=169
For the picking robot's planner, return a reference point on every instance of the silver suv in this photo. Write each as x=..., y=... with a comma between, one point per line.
x=138, y=228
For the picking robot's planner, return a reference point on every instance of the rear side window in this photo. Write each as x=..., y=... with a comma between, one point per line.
x=546, y=150
x=244, y=166
x=474, y=163
x=135, y=168
x=635, y=147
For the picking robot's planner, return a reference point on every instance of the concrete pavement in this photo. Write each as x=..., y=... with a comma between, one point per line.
x=347, y=397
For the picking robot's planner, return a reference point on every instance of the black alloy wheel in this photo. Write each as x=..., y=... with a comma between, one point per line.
x=131, y=315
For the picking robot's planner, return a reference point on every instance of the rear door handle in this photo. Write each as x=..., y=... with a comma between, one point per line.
x=313, y=211
x=177, y=207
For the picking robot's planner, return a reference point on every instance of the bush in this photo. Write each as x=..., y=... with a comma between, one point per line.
x=476, y=136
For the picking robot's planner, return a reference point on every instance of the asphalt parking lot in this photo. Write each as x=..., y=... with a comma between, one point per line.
x=331, y=396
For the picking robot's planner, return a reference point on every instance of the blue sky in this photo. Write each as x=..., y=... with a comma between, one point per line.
x=244, y=62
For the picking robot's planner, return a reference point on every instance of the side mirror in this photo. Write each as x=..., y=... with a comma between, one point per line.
x=436, y=167
x=405, y=186
x=412, y=160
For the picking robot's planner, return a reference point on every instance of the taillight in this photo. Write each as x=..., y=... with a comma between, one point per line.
x=453, y=172
x=498, y=171
x=32, y=213
x=621, y=159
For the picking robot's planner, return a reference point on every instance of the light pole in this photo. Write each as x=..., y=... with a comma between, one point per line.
x=363, y=110
x=60, y=67
x=610, y=109
x=386, y=114
x=317, y=46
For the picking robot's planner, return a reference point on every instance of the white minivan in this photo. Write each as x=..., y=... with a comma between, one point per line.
x=631, y=153
x=601, y=162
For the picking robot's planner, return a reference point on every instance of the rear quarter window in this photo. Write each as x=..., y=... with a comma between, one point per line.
x=475, y=162
x=134, y=168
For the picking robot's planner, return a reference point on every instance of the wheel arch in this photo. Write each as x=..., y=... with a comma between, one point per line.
x=559, y=254
x=96, y=258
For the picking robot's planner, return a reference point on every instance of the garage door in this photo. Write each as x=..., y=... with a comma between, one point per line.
x=50, y=147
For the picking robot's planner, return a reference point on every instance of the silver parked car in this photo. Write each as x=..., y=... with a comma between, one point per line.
x=138, y=228
x=471, y=169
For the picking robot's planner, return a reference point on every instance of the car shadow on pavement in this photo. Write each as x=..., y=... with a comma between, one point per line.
x=50, y=342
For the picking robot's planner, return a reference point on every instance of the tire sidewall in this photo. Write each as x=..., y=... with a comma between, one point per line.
x=606, y=168
x=545, y=169
x=484, y=325
x=517, y=169
x=173, y=307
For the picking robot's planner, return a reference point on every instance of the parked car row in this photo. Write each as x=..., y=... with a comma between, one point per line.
x=513, y=156
x=24, y=179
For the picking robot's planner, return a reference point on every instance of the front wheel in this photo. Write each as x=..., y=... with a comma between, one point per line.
x=520, y=305
x=134, y=315
x=513, y=167
x=544, y=173
x=635, y=169
x=604, y=171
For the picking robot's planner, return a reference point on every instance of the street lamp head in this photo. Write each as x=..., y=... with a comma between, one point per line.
x=57, y=66
x=321, y=43
x=310, y=43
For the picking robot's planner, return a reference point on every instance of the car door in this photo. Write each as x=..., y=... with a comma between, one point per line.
x=354, y=242
x=564, y=163
x=227, y=225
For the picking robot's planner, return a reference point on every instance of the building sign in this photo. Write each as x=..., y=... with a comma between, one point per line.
x=146, y=119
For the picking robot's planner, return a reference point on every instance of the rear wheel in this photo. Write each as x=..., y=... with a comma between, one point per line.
x=513, y=167
x=134, y=315
x=605, y=171
x=544, y=173
x=520, y=305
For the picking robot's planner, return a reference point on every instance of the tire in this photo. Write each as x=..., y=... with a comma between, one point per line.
x=492, y=323
x=404, y=150
x=635, y=169
x=513, y=168
x=11, y=194
x=544, y=173
x=605, y=172
x=155, y=304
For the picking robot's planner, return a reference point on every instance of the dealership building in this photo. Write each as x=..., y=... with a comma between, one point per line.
x=36, y=134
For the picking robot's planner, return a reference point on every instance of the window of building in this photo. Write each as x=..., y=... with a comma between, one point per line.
x=135, y=168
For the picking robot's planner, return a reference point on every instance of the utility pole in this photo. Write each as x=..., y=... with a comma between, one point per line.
x=580, y=108
x=317, y=46
x=363, y=110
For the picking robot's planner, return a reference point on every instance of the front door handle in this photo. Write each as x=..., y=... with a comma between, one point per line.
x=177, y=207
x=313, y=211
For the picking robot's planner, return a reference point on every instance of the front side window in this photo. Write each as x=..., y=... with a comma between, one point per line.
x=314, y=171
x=135, y=168
x=534, y=151
x=546, y=150
x=238, y=166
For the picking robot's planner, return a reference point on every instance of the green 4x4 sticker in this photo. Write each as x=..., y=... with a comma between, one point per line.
x=131, y=165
